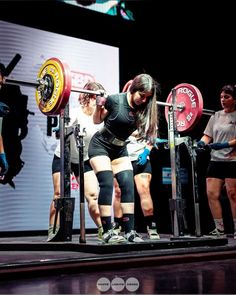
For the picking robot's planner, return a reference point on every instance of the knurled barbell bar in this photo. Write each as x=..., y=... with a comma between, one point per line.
x=53, y=88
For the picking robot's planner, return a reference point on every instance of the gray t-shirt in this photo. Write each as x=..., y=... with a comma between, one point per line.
x=222, y=127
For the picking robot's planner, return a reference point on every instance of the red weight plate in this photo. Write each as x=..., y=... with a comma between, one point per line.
x=190, y=97
x=65, y=95
x=60, y=75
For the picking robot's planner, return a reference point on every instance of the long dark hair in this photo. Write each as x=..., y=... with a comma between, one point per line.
x=147, y=114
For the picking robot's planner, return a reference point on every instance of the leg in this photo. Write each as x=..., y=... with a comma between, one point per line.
x=91, y=195
x=230, y=184
x=118, y=214
x=214, y=187
x=123, y=171
x=56, y=188
x=121, y=167
x=117, y=200
x=142, y=182
x=102, y=168
x=52, y=213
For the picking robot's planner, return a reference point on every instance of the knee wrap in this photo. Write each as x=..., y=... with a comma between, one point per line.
x=105, y=180
x=126, y=184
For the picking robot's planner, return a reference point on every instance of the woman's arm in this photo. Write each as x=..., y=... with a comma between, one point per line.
x=206, y=139
x=99, y=114
x=232, y=143
x=100, y=111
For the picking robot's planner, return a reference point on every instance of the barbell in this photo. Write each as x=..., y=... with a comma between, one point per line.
x=53, y=87
x=188, y=105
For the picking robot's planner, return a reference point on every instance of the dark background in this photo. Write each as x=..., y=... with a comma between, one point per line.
x=174, y=41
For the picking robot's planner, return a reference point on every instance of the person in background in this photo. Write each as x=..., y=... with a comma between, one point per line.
x=122, y=114
x=139, y=153
x=3, y=111
x=220, y=138
x=3, y=158
x=82, y=115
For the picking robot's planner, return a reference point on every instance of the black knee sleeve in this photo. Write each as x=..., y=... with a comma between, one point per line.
x=105, y=180
x=126, y=184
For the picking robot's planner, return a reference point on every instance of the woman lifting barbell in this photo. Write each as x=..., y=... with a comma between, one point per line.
x=122, y=114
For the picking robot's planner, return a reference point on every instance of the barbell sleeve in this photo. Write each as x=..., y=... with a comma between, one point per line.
x=168, y=104
x=181, y=107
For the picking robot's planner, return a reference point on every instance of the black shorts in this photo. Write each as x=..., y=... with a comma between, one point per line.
x=100, y=147
x=221, y=170
x=87, y=166
x=138, y=169
x=56, y=166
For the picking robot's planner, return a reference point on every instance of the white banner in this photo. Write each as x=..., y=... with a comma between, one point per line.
x=26, y=207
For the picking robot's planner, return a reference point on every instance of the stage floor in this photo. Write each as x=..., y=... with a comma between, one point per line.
x=30, y=255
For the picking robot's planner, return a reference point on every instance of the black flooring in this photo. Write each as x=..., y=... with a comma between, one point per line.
x=182, y=265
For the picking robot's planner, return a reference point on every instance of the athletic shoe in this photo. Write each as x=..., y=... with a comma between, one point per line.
x=153, y=234
x=217, y=233
x=111, y=237
x=133, y=237
x=116, y=228
x=100, y=232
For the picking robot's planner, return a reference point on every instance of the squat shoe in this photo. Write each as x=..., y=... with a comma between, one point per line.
x=133, y=237
x=111, y=237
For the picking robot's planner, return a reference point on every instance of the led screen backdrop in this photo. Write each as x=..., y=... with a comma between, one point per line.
x=25, y=202
x=111, y=7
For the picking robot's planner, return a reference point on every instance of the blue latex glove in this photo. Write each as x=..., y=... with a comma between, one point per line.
x=201, y=144
x=4, y=109
x=219, y=145
x=142, y=158
x=3, y=164
x=160, y=142
x=202, y=147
